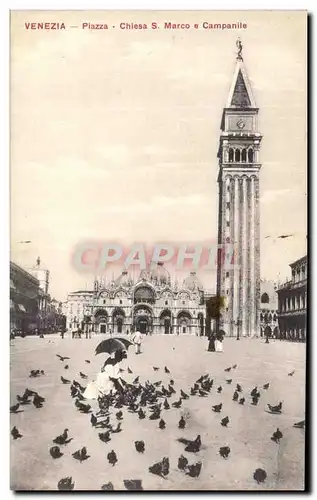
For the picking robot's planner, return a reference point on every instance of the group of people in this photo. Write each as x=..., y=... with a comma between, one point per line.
x=215, y=342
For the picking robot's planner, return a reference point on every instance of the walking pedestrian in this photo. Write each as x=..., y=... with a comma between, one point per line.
x=211, y=345
x=137, y=340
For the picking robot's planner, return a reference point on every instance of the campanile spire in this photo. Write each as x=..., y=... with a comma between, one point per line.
x=239, y=214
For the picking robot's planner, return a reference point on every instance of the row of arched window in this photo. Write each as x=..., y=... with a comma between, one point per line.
x=267, y=317
x=241, y=155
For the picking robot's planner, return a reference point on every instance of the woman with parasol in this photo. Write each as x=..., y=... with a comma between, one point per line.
x=108, y=379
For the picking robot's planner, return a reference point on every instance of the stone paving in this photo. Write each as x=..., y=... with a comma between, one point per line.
x=248, y=433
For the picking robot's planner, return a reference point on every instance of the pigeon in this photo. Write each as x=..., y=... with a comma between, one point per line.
x=160, y=468
x=166, y=369
x=182, y=462
x=141, y=414
x=171, y=389
x=65, y=483
x=192, y=446
x=83, y=375
x=217, y=408
x=62, y=439
x=228, y=369
x=116, y=429
x=83, y=408
x=81, y=455
x=299, y=425
x=266, y=386
x=194, y=470
x=136, y=380
x=156, y=368
x=234, y=366
x=235, y=396
x=219, y=390
x=277, y=435
x=62, y=358
x=38, y=401
x=166, y=405
x=241, y=401
x=24, y=399
x=15, y=433
x=112, y=458
x=80, y=387
x=177, y=404
x=239, y=388
x=225, y=422
x=182, y=423
x=162, y=424
x=202, y=394
x=155, y=415
x=34, y=373
x=119, y=415
x=55, y=452
x=87, y=361
x=254, y=392
x=184, y=395
x=66, y=367
x=139, y=446
x=14, y=408
x=255, y=401
x=104, y=436
x=229, y=380
x=133, y=484
x=93, y=420
x=259, y=475
x=224, y=451
x=172, y=382
x=275, y=409
x=64, y=380
x=107, y=486
x=129, y=370
x=291, y=373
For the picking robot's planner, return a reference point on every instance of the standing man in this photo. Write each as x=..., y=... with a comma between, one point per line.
x=137, y=340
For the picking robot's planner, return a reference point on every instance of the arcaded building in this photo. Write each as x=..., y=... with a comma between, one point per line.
x=269, y=310
x=292, y=303
x=151, y=304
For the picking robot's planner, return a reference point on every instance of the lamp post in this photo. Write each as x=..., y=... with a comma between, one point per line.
x=238, y=323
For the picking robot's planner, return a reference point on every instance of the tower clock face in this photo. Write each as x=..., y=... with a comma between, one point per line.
x=240, y=124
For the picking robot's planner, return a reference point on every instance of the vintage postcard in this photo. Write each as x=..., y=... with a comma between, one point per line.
x=158, y=270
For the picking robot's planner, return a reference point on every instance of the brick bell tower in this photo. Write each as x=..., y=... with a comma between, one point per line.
x=239, y=211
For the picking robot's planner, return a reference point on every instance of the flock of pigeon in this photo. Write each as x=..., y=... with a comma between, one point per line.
x=147, y=400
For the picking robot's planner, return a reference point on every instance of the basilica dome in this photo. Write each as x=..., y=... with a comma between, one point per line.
x=192, y=282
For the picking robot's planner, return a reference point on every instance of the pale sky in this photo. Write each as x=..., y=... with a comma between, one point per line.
x=114, y=133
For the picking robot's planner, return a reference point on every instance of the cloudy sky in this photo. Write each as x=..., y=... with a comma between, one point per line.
x=114, y=133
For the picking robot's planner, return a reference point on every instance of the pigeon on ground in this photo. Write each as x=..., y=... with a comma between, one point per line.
x=14, y=408
x=182, y=423
x=139, y=446
x=192, y=446
x=83, y=408
x=64, y=380
x=155, y=415
x=239, y=388
x=66, y=483
x=219, y=389
x=160, y=468
x=234, y=366
x=259, y=475
x=81, y=455
x=117, y=429
x=133, y=484
x=62, y=439
x=228, y=369
x=93, y=420
x=166, y=369
x=62, y=358
x=177, y=404
x=112, y=458
x=156, y=368
x=107, y=486
x=229, y=380
x=194, y=470
x=55, y=452
x=172, y=382
x=255, y=400
x=184, y=395
x=15, y=433
x=38, y=401
x=217, y=408
x=225, y=422
x=241, y=401
x=166, y=405
x=129, y=370
x=119, y=415
x=254, y=392
x=182, y=462
x=291, y=373
x=141, y=414
x=266, y=386
x=277, y=435
x=162, y=424
x=235, y=396
x=87, y=361
x=83, y=375
x=66, y=367
x=224, y=451
x=275, y=409
x=299, y=425
x=104, y=436
x=136, y=380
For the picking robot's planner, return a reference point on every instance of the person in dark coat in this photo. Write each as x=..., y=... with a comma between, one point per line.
x=211, y=345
